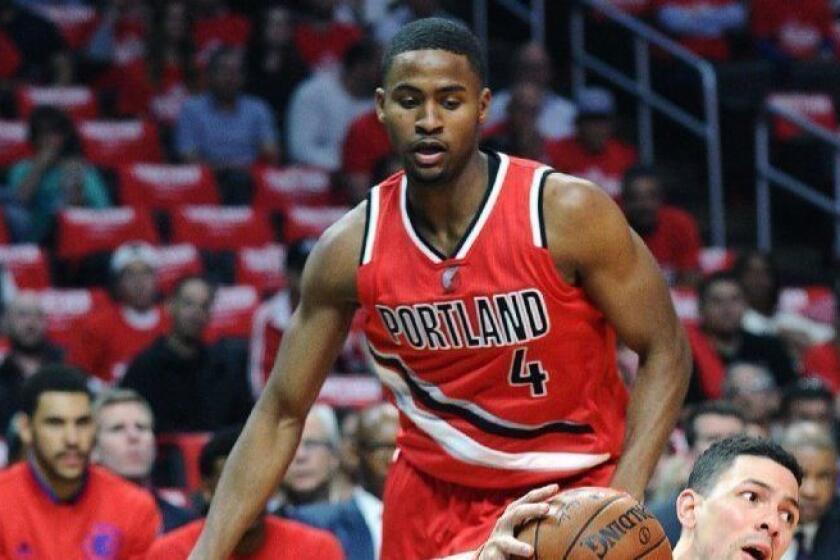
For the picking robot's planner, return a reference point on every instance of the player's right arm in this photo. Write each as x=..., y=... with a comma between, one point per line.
x=308, y=349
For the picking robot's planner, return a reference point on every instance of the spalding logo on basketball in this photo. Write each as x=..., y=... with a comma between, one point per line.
x=596, y=524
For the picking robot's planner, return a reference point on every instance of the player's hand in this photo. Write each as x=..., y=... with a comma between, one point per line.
x=502, y=545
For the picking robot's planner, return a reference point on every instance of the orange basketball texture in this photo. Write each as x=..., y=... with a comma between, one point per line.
x=596, y=524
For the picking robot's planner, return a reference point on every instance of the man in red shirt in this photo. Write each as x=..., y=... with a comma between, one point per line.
x=365, y=146
x=671, y=234
x=594, y=153
x=268, y=537
x=110, y=338
x=56, y=505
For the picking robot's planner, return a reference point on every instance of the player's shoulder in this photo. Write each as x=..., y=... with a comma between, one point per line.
x=573, y=199
x=11, y=478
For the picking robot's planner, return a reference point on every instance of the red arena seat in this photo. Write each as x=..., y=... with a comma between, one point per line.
x=261, y=267
x=308, y=221
x=75, y=23
x=188, y=446
x=166, y=187
x=221, y=228
x=232, y=311
x=78, y=101
x=113, y=143
x=816, y=107
x=64, y=307
x=83, y=232
x=27, y=265
x=280, y=188
x=175, y=262
x=14, y=145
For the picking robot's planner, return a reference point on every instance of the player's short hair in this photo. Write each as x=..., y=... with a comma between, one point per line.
x=804, y=389
x=720, y=456
x=712, y=279
x=718, y=408
x=57, y=378
x=219, y=446
x=112, y=397
x=437, y=34
x=326, y=416
x=808, y=435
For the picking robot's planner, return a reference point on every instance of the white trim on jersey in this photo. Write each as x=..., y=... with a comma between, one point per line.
x=407, y=222
x=373, y=222
x=488, y=207
x=466, y=449
x=536, y=231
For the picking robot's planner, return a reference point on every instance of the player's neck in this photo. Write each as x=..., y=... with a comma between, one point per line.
x=443, y=212
x=682, y=551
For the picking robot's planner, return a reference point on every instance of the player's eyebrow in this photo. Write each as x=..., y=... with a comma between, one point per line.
x=452, y=88
x=793, y=501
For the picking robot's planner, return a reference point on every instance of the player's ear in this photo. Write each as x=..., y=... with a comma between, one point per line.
x=484, y=100
x=23, y=424
x=688, y=503
x=379, y=101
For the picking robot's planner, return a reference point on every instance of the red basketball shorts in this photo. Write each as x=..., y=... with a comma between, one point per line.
x=426, y=518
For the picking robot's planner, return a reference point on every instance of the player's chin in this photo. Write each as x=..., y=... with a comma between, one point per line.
x=427, y=175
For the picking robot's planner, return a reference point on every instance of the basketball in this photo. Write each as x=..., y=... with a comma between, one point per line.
x=596, y=524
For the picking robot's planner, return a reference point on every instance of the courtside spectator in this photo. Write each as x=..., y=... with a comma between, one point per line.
x=671, y=234
x=594, y=153
x=315, y=130
x=107, y=339
x=190, y=386
x=364, y=147
x=703, y=26
x=785, y=31
x=125, y=445
x=56, y=177
x=320, y=39
x=718, y=340
x=267, y=538
x=402, y=13
x=24, y=323
x=519, y=135
x=57, y=505
x=557, y=114
x=752, y=389
x=30, y=41
x=807, y=400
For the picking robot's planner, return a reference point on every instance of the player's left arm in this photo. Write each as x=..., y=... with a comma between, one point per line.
x=594, y=247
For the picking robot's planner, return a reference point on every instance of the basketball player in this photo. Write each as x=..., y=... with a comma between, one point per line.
x=495, y=290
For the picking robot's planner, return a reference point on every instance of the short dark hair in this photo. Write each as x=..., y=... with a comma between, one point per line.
x=718, y=408
x=219, y=446
x=437, y=34
x=637, y=172
x=712, y=279
x=715, y=460
x=804, y=388
x=57, y=378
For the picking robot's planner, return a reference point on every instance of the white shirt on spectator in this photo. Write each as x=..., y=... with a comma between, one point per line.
x=320, y=112
x=756, y=323
x=556, y=119
x=371, y=508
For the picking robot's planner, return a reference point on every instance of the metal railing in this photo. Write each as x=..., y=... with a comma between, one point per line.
x=531, y=12
x=767, y=175
x=639, y=85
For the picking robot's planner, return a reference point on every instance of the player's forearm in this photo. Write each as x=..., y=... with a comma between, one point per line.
x=251, y=475
x=655, y=404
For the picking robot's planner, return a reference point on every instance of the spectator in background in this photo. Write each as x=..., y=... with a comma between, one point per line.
x=703, y=26
x=25, y=324
x=823, y=360
x=57, y=177
x=357, y=522
x=274, y=66
x=705, y=424
x=29, y=43
x=594, y=153
x=322, y=41
x=365, y=145
x=125, y=445
x=190, y=386
x=719, y=340
x=223, y=127
x=322, y=107
x=106, y=340
x=216, y=26
x=267, y=537
x=818, y=534
x=518, y=135
x=57, y=487
x=533, y=65
x=671, y=234
x=402, y=13
x=752, y=389
x=808, y=400
x=758, y=275
x=786, y=31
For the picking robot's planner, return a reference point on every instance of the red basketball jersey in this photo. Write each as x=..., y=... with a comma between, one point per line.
x=505, y=375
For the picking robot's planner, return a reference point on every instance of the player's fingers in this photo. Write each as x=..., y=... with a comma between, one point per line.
x=520, y=514
x=509, y=546
x=538, y=494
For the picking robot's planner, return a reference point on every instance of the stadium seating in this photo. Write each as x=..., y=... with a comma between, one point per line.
x=175, y=262
x=166, y=187
x=214, y=228
x=14, y=145
x=351, y=391
x=232, y=311
x=65, y=306
x=183, y=449
x=75, y=23
x=261, y=267
x=816, y=107
x=714, y=259
x=280, y=188
x=84, y=232
x=308, y=221
x=27, y=265
x=114, y=143
x=78, y=101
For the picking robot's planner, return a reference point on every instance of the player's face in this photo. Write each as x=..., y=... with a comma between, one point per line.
x=819, y=480
x=432, y=104
x=750, y=513
x=125, y=443
x=61, y=433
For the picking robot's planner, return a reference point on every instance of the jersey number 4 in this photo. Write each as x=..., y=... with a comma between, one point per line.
x=528, y=373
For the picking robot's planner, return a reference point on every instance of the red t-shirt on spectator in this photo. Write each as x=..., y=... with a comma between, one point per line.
x=675, y=243
x=605, y=168
x=284, y=540
x=108, y=340
x=110, y=519
x=798, y=28
x=823, y=361
x=365, y=145
x=324, y=46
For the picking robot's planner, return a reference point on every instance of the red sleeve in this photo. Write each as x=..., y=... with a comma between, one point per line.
x=146, y=529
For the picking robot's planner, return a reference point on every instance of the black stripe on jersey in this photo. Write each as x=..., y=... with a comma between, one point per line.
x=540, y=210
x=367, y=228
x=558, y=427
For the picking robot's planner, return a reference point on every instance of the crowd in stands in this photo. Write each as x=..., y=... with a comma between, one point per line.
x=165, y=168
